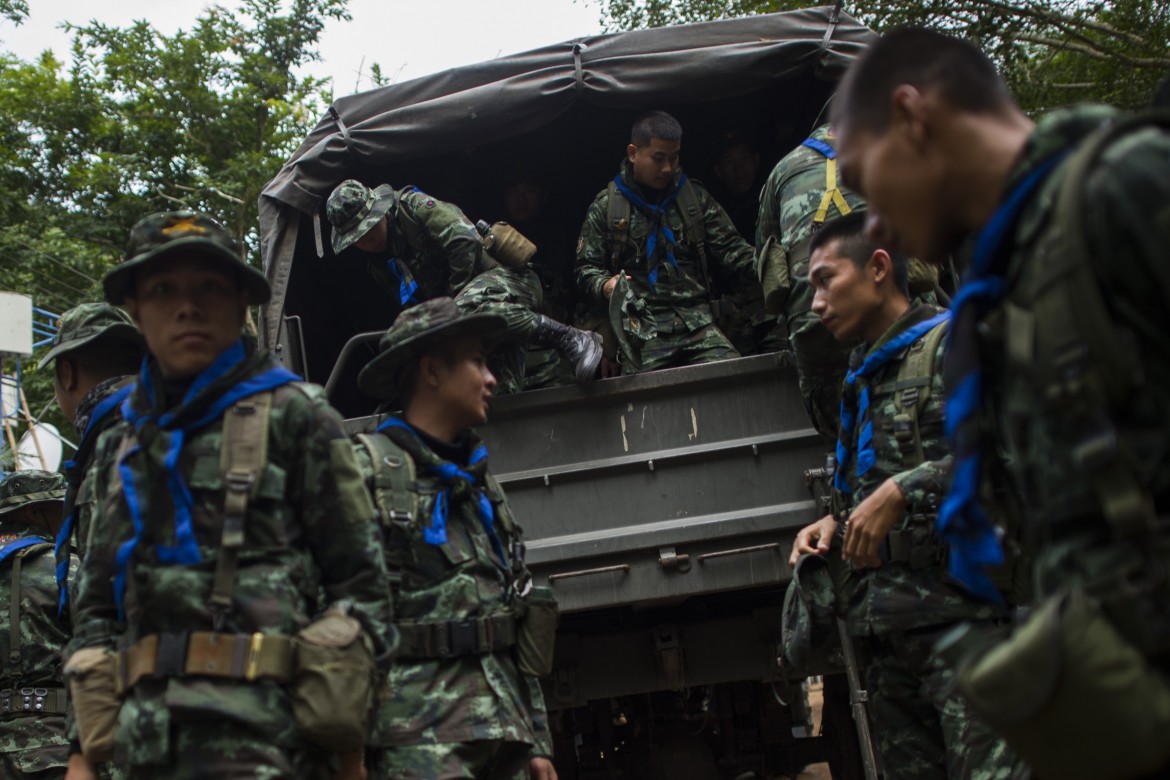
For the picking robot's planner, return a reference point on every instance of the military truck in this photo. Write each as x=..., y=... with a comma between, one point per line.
x=659, y=507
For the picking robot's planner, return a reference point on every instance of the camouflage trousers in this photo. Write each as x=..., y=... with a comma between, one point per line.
x=215, y=750
x=546, y=368
x=490, y=759
x=821, y=365
x=923, y=729
x=516, y=296
x=39, y=763
x=680, y=348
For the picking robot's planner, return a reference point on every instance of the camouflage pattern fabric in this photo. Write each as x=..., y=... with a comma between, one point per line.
x=86, y=323
x=678, y=307
x=922, y=729
x=788, y=205
x=544, y=368
x=33, y=746
x=488, y=758
x=553, y=265
x=466, y=699
x=309, y=541
x=514, y=295
x=1127, y=230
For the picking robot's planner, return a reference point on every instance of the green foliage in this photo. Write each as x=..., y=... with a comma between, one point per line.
x=137, y=121
x=1051, y=52
x=14, y=11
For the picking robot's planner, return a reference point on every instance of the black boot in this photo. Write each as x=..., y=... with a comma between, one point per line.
x=581, y=348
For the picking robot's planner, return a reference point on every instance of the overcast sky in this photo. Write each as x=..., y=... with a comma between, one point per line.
x=408, y=38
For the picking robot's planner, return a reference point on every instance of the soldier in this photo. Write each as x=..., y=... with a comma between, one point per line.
x=657, y=239
x=893, y=462
x=737, y=170
x=462, y=703
x=434, y=251
x=33, y=741
x=1058, y=359
x=95, y=355
x=801, y=193
x=230, y=514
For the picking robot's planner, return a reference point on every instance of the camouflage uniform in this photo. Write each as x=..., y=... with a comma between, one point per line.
x=1126, y=229
x=788, y=205
x=157, y=539
x=32, y=745
x=469, y=712
x=669, y=323
x=553, y=264
x=922, y=727
x=514, y=295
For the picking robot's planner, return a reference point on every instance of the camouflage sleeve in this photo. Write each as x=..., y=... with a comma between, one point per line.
x=726, y=246
x=768, y=219
x=592, y=265
x=452, y=232
x=539, y=713
x=95, y=613
x=338, y=517
x=925, y=485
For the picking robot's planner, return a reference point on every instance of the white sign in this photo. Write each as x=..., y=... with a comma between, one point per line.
x=9, y=400
x=16, y=324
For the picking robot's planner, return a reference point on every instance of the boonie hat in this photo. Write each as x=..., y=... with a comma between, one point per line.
x=30, y=488
x=415, y=331
x=353, y=209
x=159, y=235
x=88, y=322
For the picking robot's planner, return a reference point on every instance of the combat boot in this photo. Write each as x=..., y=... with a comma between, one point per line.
x=581, y=348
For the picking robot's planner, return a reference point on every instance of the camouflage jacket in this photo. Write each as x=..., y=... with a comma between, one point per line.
x=309, y=541
x=788, y=205
x=684, y=292
x=472, y=697
x=897, y=597
x=435, y=240
x=43, y=635
x=1127, y=231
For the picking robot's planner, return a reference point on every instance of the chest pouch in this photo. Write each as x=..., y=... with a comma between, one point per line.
x=536, y=639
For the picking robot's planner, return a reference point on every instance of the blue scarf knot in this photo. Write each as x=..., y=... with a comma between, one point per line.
x=973, y=539
x=656, y=215
x=407, y=286
x=187, y=550
x=876, y=360
x=454, y=478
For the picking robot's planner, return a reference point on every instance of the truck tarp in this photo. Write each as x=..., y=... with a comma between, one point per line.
x=561, y=101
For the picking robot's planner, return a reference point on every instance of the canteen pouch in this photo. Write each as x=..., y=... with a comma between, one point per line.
x=537, y=634
x=334, y=682
x=1072, y=696
x=773, y=269
x=93, y=693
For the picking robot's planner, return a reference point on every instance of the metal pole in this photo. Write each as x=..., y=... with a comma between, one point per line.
x=858, y=698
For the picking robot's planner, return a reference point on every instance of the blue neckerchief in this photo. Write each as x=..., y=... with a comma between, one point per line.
x=65, y=535
x=972, y=537
x=407, y=286
x=656, y=216
x=877, y=359
x=820, y=146
x=187, y=551
x=19, y=544
x=449, y=474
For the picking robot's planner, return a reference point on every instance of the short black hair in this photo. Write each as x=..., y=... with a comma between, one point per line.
x=655, y=124
x=104, y=358
x=408, y=376
x=924, y=59
x=849, y=234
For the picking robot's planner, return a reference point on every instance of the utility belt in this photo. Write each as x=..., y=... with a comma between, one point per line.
x=456, y=638
x=23, y=702
x=919, y=547
x=205, y=654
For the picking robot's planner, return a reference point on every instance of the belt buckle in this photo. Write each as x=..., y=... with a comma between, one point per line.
x=252, y=667
x=170, y=658
x=463, y=637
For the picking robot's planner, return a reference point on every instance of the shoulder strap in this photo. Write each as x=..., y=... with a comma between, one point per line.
x=617, y=224
x=912, y=387
x=17, y=550
x=243, y=456
x=832, y=194
x=395, y=492
x=1086, y=362
x=693, y=225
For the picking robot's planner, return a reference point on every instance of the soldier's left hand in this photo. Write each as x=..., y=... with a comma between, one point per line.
x=542, y=769
x=869, y=523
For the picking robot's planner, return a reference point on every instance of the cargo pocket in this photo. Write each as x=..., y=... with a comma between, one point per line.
x=334, y=682
x=773, y=270
x=92, y=689
x=537, y=637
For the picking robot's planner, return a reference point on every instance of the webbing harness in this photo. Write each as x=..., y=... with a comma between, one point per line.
x=618, y=225
x=395, y=486
x=832, y=194
x=16, y=700
x=912, y=387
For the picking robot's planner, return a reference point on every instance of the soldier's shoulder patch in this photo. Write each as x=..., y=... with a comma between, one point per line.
x=430, y=203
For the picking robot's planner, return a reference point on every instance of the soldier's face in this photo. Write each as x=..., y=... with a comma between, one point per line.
x=376, y=238
x=845, y=296
x=901, y=176
x=655, y=163
x=463, y=382
x=189, y=310
x=737, y=168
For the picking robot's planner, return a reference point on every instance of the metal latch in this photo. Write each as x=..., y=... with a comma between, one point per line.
x=669, y=559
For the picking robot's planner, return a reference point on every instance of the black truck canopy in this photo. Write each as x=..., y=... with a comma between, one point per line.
x=561, y=113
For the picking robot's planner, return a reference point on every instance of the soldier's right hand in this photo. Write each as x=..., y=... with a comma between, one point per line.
x=814, y=539
x=80, y=768
x=610, y=283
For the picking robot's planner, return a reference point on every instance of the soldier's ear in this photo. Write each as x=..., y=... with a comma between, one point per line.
x=130, y=304
x=428, y=371
x=882, y=265
x=631, y=152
